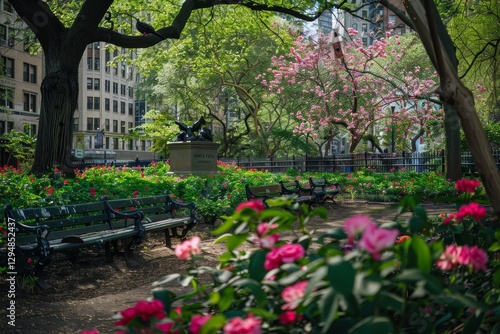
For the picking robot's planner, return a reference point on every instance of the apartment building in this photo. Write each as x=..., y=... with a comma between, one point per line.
x=21, y=75
x=107, y=108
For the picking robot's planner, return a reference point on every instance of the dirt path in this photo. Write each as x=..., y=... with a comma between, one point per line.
x=88, y=292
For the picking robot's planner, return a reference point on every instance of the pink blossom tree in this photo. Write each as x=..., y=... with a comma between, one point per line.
x=357, y=90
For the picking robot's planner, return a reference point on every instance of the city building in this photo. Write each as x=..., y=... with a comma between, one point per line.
x=21, y=75
x=106, y=108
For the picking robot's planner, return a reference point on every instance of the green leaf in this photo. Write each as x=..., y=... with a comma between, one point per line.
x=373, y=324
x=416, y=224
x=256, y=267
x=337, y=234
x=166, y=279
x=226, y=298
x=213, y=325
x=419, y=255
x=235, y=241
x=341, y=275
x=474, y=323
x=166, y=297
x=390, y=301
x=255, y=288
x=414, y=276
x=328, y=304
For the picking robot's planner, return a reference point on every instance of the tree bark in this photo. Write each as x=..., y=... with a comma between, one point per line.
x=453, y=150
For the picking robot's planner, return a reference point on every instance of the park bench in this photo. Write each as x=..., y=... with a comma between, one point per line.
x=324, y=189
x=42, y=231
x=281, y=189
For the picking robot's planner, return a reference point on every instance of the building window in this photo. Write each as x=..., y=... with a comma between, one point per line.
x=399, y=30
x=124, y=69
x=123, y=89
x=122, y=107
x=115, y=88
x=6, y=98
x=29, y=73
x=97, y=103
x=115, y=106
x=131, y=92
x=130, y=126
x=29, y=102
x=93, y=56
x=122, y=126
x=107, y=86
x=7, y=7
x=355, y=26
x=3, y=35
x=8, y=67
x=115, y=143
x=97, y=84
x=365, y=41
x=131, y=109
x=93, y=123
x=115, y=125
x=107, y=103
x=107, y=59
x=106, y=124
x=364, y=27
x=392, y=21
x=89, y=84
x=76, y=123
x=364, y=14
x=131, y=144
x=93, y=103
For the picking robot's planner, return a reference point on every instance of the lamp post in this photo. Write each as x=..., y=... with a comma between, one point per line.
x=392, y=130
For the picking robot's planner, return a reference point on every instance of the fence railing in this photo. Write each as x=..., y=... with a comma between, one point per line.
x=350, y=162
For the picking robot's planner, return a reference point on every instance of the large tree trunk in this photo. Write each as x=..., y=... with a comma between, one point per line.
x=59, y=98
x=453, y=150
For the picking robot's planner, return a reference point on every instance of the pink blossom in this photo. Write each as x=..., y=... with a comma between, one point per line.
x=375, y=239
x=287, y=253
x=256, y=205
x=467, y=185
x=197, y=322
x=289, y=318
x=268, y=241
x=188, y=248
x=239, y=325
x=453, y=256
x=356, y=225
x=292, y=295
x=263, y=228
x=473, y=209
x=143, y=309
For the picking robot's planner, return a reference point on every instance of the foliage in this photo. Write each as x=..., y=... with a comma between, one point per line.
x=20, y=145
x=407, y=276
x=492, y=132
x=356, y=90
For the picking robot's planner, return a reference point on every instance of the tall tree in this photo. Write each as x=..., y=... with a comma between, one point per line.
x=65, y=28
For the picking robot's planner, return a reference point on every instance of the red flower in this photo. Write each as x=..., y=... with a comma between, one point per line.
x=50, y=191
x=403, y=238
x=65, y=182
x=92, y=192
x=466, y=185
x=256, y=205
x=473, y=209
x=289, y=318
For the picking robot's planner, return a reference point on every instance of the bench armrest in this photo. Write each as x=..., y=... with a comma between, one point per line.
x=172, y=205
x=136, y=215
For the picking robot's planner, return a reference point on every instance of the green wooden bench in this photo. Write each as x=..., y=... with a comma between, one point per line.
x=286, y=189
x=41, y=231
x=324, y=189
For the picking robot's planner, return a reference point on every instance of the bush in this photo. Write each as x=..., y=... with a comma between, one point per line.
x=420, y=275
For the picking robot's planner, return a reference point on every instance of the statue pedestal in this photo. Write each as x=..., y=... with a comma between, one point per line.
x=193, y=157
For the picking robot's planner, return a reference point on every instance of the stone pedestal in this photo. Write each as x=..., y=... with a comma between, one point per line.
x=193, y=157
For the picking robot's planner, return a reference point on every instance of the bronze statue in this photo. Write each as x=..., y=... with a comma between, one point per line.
x=194, y=132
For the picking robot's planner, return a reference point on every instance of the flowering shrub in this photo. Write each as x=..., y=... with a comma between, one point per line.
x=415, y=275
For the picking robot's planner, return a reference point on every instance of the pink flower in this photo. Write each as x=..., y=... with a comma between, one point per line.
x=50, y=191
x=238, y=325
x=167, y=327
x=143, y=309
x=356, y=225
x=466, y=185
x=263, y=228
x=273, y=259
x=188, y=248
x=92, y=192
x=292, y=295
x=289, y=318
x=135, y=193
x=92, y=331
x=291, y=252
x=256, y=205
x=375, y=239
x=452, y=217
x=473, y=209
x=453, y=256
x=197, y=322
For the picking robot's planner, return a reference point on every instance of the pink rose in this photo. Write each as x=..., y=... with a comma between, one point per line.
x=144, y=309
x=256, y=205
x=273, y=259
x=239, y=325
x=448, y=260
x=167, y=327
x=291, y=252
x=453, y=256
x=478, y=259
x=473, y=209
x=197, y=322
x=292, y=295
x=263, y=228
x=466, y=185
x=356, y=225
x=188, y=248
x=375, y=239
x=289, y=318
